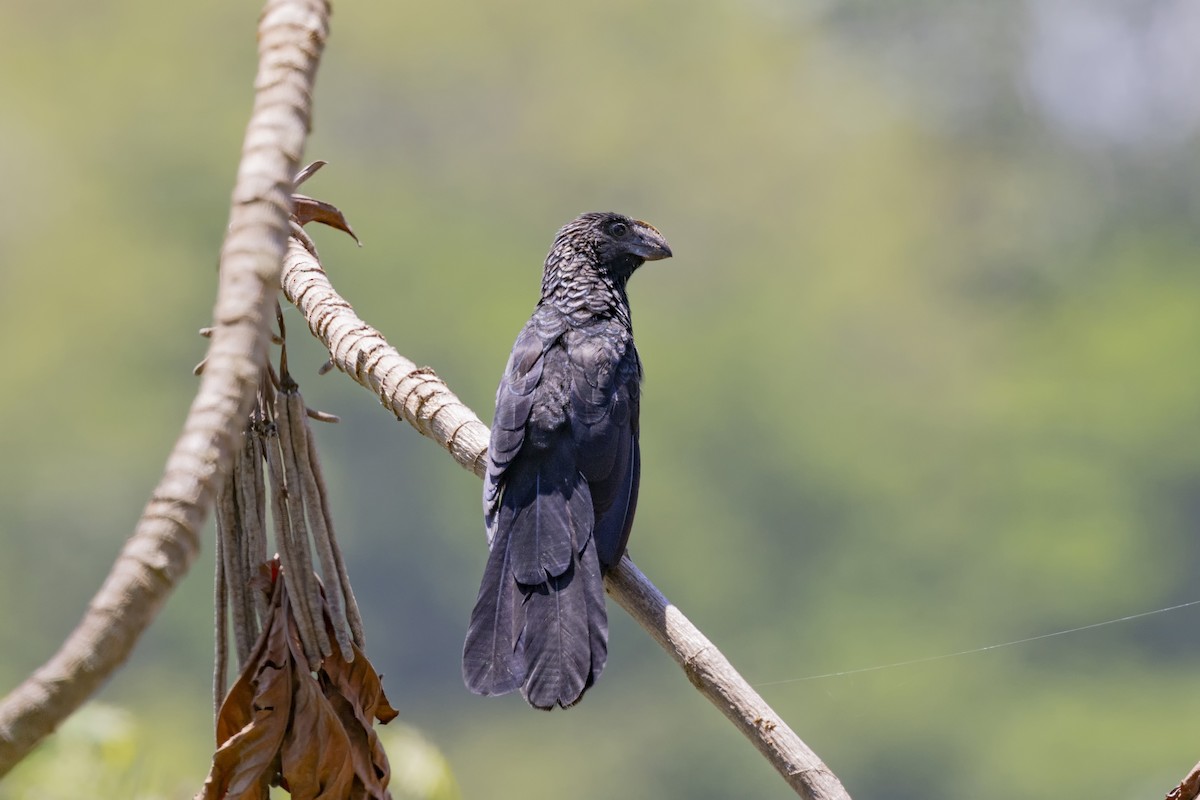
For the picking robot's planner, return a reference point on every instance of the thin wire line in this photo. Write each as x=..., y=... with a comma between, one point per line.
x=928, y=659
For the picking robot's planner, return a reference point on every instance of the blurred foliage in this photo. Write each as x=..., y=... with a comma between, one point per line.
x=419, y=770
x=104, y=751
x=101, y=751
x=919, y=378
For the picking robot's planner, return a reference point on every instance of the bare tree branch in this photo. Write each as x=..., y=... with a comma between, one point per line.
x=714, y=677
x=1188, y=788
x=165, y=541
x=414, y=394
x=420, y=397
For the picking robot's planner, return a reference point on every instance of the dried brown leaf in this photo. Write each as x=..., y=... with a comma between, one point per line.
x=361, y=685
x=314, y=734
x=356, y=694
x=371, y=769
x=316, y=759
x=254, y=719
x=307, y=209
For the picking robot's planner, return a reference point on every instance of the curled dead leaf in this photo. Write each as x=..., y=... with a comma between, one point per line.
x=311, y=734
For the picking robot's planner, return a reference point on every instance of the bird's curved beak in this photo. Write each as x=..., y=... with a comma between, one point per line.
x=649, y=243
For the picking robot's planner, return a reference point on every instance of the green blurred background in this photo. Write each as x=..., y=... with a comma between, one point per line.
x=920, y=378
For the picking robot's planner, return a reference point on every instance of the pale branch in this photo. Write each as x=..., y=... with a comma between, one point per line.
x=714, y=677
x=1188, y=788
x=414, y=394
x=420, y=397
x=165, y=540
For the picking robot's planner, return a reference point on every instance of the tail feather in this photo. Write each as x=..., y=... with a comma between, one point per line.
x=542, y=511
x=540, y=623
x=492, y=664
x=597, y=611
x=566, y=624
x=556, y=638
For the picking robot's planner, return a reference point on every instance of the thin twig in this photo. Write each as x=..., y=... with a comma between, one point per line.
x=304, y=582
x=248, y=473
x=353, y=617
x=221, y=654
x=256, y=534
x=249, y=557
x=322, y=416
x=286, y=541
x=165, y=541
x=420, y=397
x=312, y=497
x=228, y=528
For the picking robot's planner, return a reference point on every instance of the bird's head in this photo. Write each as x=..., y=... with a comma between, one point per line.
x=613, y=243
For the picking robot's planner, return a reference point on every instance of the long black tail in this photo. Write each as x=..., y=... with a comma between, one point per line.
x=540, y=621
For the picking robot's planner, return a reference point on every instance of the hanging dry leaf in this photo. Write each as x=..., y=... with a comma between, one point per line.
x=312, y=735
x=307, y=209
x=316, y=759
x=254, y=717
x=356, y=694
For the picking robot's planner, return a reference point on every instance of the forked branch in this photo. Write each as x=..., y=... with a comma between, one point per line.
x=165, y=541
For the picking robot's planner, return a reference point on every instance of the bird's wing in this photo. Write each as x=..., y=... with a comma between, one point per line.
x=514, y=402
x=492, y=659
x=605, y=402
x=541, y=593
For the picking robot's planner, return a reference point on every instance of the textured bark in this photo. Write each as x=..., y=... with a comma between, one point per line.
x=715, y=678
x=1188, y=788
x=414, y=394
x=418, y=396
x=165, y=541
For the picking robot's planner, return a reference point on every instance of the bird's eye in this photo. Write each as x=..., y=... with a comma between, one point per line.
x=618, y=229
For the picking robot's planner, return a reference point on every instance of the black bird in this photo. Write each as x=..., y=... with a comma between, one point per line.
x=562, y=473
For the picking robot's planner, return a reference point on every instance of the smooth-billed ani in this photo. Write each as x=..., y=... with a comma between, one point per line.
x=562, y=472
